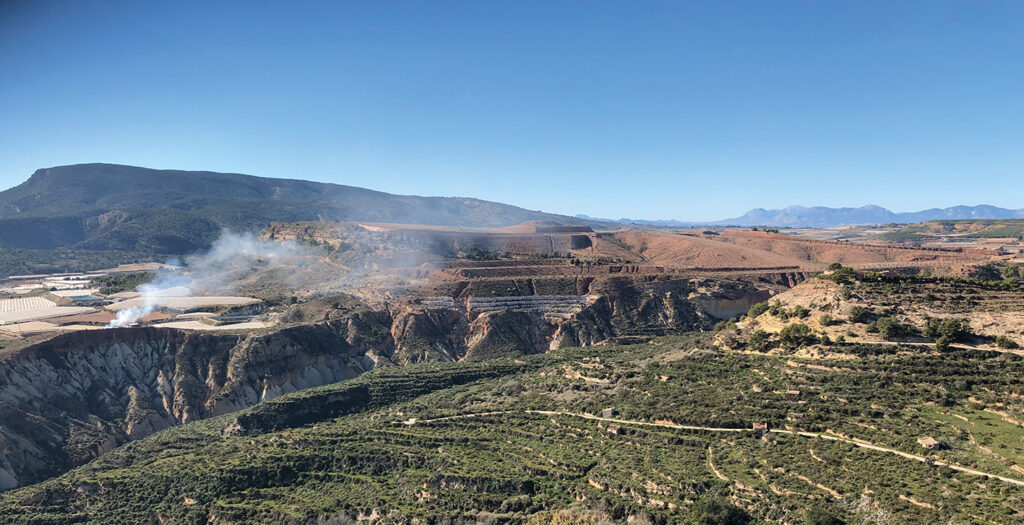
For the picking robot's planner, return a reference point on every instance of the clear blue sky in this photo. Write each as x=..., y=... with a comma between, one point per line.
x=685, y=110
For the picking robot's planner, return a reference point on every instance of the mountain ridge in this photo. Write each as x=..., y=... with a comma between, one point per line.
x=117, y=207
x=826, y=217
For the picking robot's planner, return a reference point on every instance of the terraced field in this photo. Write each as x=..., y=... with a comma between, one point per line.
x=525, y=441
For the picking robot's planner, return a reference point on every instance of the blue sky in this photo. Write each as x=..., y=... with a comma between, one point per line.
x=685, y=110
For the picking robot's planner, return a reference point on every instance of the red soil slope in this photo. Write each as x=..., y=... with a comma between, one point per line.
x=692, y=251
x=842, y=252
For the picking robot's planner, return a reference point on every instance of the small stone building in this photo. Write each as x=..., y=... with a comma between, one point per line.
x=930, y=443
x=609, y=412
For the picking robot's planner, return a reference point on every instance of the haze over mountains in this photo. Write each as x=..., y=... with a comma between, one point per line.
x=824, y=217
x=115, y=207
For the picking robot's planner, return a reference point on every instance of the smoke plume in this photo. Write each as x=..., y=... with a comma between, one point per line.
x=218, y=271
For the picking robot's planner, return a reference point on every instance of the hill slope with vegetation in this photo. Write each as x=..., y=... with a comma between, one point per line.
x=114, y=207
x=653, y=433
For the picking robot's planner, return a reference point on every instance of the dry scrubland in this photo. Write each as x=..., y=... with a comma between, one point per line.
x=895, y=308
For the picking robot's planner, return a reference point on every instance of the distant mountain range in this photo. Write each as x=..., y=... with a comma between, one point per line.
x=127, y=208
x=115, y=207
x=822, y=217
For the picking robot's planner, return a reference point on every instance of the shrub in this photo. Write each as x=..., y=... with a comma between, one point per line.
x=120, y=282
x=1006, y=343
x=758, y=309
x=819, y=516
x=860, y=314
x=827, y=320
x=795, y=335
x=718, y=511
x=890, y=328
x=799, y=312
x=759, y=340
x=840, y=274
x=955, y=329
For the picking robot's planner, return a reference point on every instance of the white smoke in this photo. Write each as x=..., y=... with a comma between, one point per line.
x=131, y=316
x=231, y=257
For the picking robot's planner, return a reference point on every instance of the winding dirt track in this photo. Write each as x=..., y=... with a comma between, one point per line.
x=861, y=444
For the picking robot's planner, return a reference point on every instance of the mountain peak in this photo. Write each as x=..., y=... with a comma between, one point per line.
x=824, y=217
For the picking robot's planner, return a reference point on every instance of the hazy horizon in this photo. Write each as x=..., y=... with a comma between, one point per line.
x=686, y=112
x=623, y=218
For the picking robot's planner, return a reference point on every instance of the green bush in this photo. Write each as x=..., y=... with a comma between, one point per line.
x=758, y=309
x=120, y=282
x=795, y=335
x=819, y=516
x=860, y=314
x=725, y=325
x=890, y=328
x=1006, y=343
x=1012, y=272
x=759, y=340
x=955, y=329
x=718, y=511
x=840, y=274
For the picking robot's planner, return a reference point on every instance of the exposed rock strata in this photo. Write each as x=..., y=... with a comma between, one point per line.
x=78, y=395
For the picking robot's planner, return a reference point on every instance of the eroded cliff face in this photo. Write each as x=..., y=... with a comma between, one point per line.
x=74, y=397
x=428, y=334
x=77, y=396
x=626, y=309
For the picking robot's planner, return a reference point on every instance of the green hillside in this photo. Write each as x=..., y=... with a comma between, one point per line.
x=524, y=441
